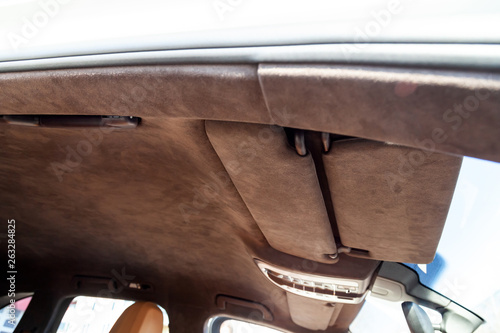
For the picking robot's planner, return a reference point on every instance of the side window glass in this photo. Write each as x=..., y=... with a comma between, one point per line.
x=11, y=314
x=96, y=315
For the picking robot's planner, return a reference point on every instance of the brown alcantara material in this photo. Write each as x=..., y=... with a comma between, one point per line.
x=155, y=204
x=449, y=111
x=309, y=313
x=321, y=316
x=390, y=200
x=279, y=187
x=157, y=201
x=178, y=91
x=408, y=106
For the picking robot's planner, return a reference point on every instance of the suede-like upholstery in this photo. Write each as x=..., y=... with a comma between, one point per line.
x=450, y=111
x=310, y=313
x=179, y=91
x=389, y=200
x=401, y=105
x=157, y=204
x=279, y=187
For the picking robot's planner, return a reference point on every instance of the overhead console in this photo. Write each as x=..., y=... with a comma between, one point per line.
x=319, y=287
x=317, y=301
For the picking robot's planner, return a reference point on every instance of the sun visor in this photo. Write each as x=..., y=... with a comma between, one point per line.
x=279, y=187
x=389, y=200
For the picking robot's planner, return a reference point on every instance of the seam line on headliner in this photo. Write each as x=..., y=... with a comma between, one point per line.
x=263, y=91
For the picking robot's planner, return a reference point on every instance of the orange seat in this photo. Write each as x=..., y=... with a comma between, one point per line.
x=140, y=317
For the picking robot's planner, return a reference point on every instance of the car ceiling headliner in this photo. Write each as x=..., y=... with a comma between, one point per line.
x=119, y=206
